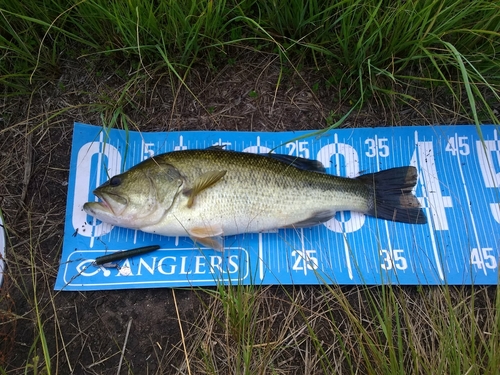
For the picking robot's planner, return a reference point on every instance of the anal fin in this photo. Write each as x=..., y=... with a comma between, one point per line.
x=315, y=219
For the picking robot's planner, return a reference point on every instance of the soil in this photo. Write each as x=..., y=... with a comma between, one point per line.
x=85, y=332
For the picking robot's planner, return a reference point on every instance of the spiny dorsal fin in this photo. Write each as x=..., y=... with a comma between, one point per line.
x=203, y=182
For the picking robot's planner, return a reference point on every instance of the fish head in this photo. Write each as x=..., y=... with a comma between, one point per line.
x=139, y=197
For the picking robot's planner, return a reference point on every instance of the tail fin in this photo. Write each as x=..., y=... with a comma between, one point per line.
x=392, y=197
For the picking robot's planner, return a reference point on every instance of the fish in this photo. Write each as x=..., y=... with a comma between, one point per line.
x=207, y=194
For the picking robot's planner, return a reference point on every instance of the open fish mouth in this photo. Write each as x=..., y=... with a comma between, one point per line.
x=96, y=208
x=112, y=203
x=104, y=205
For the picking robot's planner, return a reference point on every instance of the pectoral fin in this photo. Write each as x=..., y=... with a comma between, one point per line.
x=209, y=236
x=203, y=182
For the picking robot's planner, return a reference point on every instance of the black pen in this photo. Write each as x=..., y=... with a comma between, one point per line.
x=120, y=255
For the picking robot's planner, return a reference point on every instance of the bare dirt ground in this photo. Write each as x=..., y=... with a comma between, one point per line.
x=85, y=332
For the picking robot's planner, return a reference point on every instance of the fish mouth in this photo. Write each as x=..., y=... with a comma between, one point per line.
x=104, y=205
x=96, y=209
x=111, y=203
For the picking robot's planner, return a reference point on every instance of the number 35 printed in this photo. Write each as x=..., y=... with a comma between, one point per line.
x=393, y=259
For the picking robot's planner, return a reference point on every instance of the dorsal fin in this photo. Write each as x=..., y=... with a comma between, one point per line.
x=203, y=182
x=298, y=162
x=216, y=147
x=294, y=161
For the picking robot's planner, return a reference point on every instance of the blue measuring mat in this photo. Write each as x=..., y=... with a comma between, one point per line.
x=458, y=187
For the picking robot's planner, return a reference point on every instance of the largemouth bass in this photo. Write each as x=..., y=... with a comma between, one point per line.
x=207, y=194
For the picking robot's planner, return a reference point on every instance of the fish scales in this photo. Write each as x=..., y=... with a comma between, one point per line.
x=259, y=193
x=206, y=194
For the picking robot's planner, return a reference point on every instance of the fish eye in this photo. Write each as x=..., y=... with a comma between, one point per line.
x=115, y=181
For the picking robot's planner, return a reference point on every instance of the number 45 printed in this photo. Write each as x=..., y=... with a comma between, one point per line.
x=483, y=258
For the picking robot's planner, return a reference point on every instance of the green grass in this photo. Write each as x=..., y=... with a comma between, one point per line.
x=367, y=52
x=382, y=49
